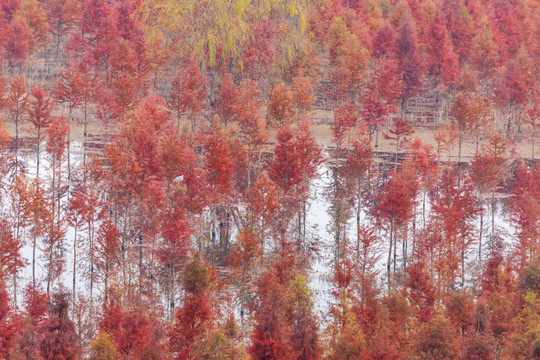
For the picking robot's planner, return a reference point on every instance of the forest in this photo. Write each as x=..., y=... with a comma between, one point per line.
x=269, y=179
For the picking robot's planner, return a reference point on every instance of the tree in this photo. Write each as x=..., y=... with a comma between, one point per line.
x=281, y=110
x=411, y=65
x=454, y=214
x=349, y=60
x=188, y=92
x=345, y=118
x=533, y=120
x=221, y=39
x=269, y=339
x=488, y=169
x=59, y=339
x=103, y=348
x=252, y=125
x=10, y=253
x=525, y=214
x=436, y=340
x=484, y=53
x=383, y=40
x=108, y=244
x=304, y=339
x=194, y=319
x=470, y=114
x=244, y=257
x=382, y=95
x=17, y=101
x=395, y=204
x=27, y=344
x=226, y=100
x=303, y=94
x=8, y=326
x=57, y=142
x=442, y=61
x=510, y=90
x=62, y=15
x=39, y=115
x=399, y=131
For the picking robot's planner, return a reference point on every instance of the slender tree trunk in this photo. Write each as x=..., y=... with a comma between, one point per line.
x=481, y=231
x=75, y=263
x=389, y=261
x=38, y=151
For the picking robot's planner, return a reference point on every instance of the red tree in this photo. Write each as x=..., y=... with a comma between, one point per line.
x=39, y=115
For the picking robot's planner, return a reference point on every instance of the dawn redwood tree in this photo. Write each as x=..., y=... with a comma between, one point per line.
x=454, y=213
x=226, y=100
x=424, y=160
x=219, y=167
x=411, y=65
x=303, y=95
x=399, y=131
x=357, y=168
x=188, y=93
x=85, y=209
x=103, y=347
x=383, y=41
x=382, y=95
x=194, y=319
x=436, y=340
x=173, y=249
x=349, y=59
x=244, y=257
x=442, y=61
x=27, y=342
x=269, y=339
x=296, y=158
x=488, y=170
x=252, y=125
x=346, y=117
x=460, y=25
x=16, y=45
x=39, y=115
x=62, y=15
x=38, y=208
x=69, y=92
x=107, y=252
x=346, y=339
x=470, y=114
x=303, y=325
x=11, y=260
x=8, y=325
x=281, y=107
x=17, y=102
x=484, y=54
x=54, y=232
x=525, y=213
x=264, y=204
x=57, y=141
x=532, y=119
x=59, y=340
x=510, y=91
x=20, y=215
x=395, y=204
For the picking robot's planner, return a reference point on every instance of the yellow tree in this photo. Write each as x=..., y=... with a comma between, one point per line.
x=219, y=32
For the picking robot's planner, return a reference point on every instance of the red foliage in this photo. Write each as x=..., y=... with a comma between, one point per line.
x=188, y=92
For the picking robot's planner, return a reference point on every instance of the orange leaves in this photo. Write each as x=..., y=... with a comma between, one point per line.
x=188, y=92
x=247, y=250
x=345, y=118
x=39, y=108
x=57, y=134
x=281, y=106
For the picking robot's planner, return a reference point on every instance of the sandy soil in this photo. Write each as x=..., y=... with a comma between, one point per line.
x=321, y=131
